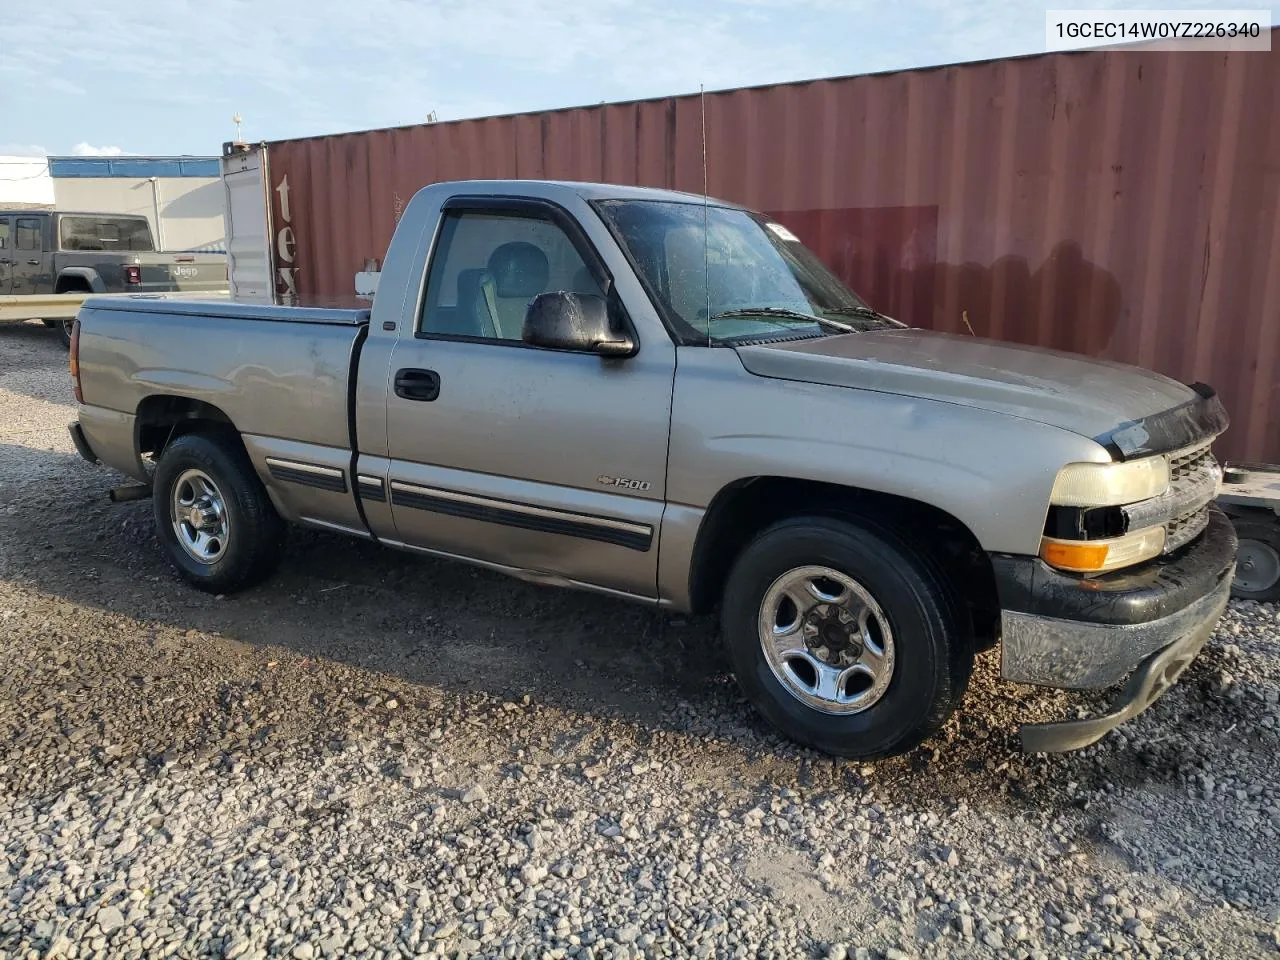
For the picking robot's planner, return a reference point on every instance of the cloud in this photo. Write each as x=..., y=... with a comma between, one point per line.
x=88, y=150
x=22, y=150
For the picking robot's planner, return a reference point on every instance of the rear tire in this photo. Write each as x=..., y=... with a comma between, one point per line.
x=213, y=515
x=64, y=326
x=811, y=666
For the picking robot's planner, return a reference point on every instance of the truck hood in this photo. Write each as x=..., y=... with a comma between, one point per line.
x=1088, y=397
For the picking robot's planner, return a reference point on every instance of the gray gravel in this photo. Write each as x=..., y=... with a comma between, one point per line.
x=377, y=755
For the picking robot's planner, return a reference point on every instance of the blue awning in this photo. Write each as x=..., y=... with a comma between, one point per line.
x=133, y=167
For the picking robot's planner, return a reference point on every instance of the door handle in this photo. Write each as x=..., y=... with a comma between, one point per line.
x=417, y=384
x=33, y=263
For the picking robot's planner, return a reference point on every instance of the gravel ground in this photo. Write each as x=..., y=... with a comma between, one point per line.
x=378, y=755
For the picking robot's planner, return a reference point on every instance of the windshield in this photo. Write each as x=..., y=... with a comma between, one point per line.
x=105, y=233
x=746, y=263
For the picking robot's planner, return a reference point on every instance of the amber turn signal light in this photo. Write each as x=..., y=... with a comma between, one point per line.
x=1081, y=557
x=1099, y=556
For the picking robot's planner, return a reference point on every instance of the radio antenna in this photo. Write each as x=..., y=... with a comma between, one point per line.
x=706, y=242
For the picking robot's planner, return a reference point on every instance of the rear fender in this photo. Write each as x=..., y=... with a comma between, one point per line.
x=69, y=278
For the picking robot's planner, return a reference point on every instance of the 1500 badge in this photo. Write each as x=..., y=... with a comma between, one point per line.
x=623, y=482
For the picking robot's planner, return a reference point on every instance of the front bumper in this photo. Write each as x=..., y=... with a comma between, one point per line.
x=1079, y=633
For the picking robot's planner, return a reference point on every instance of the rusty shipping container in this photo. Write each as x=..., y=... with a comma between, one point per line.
x=1121, y=204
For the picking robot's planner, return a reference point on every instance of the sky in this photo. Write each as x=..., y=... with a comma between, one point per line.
x=165, y=77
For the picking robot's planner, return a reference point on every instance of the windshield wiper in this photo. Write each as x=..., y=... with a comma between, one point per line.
x=863, y=312
x=780, y=313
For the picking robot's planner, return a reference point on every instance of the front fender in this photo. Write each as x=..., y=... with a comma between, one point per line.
x=990, y=471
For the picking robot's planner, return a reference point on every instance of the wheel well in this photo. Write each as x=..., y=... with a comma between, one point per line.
x=69, y=284
x=162, y=418
x=744, y=508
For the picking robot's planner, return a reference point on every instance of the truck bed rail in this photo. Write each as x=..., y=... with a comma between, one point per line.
x=225, y=309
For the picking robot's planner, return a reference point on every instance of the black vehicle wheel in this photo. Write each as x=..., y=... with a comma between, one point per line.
x=213, y=515
x=65, y=325
x=1257, y=560
x=844, y=637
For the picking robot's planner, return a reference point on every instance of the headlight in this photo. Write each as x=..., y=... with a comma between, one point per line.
x=1110, y=484
x=1099, y=556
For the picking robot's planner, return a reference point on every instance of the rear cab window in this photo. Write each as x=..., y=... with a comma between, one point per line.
x=110, y=234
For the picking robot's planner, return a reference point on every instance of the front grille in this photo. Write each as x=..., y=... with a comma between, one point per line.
x=1183, y=509
x=1182, y=530
x=1184, y=466
x=1194, y=475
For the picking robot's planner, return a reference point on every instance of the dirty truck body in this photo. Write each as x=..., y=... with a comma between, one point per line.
x=628, y=391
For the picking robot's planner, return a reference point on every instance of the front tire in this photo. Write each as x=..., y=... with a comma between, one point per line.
x=213, y=515
x=844, y=637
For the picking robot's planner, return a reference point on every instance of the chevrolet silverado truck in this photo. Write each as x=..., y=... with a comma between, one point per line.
x=50, y=260
x=667, y=398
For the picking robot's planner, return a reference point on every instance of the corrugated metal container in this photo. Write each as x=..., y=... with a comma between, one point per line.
x=1121, y=204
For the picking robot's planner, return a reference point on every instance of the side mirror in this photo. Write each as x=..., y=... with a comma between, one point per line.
x=561, y=320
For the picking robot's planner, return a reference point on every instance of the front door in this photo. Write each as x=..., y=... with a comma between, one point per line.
x=29, y=258
x=542, y=460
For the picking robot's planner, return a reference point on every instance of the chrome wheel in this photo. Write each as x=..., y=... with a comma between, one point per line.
x=826, y=640
x=1257, y=566
x=199, y=516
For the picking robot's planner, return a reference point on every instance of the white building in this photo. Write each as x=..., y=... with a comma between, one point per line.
x=25, y=182
x=180, y=196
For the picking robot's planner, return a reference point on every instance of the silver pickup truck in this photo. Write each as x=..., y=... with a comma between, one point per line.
x=671, y=400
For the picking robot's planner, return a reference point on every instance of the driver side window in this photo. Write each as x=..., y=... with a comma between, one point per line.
x=488, y=266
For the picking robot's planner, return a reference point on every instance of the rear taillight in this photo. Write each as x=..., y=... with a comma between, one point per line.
x=132, y=273
x=74, y=363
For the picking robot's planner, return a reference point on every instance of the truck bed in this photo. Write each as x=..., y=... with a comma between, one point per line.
x=275, y=372
x=161, y=271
